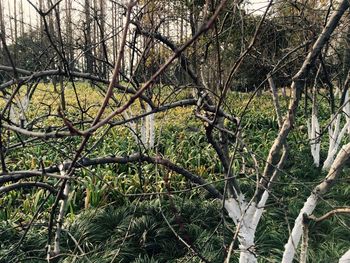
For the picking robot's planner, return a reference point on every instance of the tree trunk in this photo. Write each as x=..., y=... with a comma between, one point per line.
x=15, y=33
x=2, y=29
x=103, y=56
x=22, y=19
x=345, y=258
x=312, y=201
x=69, y=33
x=88, y=46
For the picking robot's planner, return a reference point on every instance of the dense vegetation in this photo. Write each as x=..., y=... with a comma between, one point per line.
x=133, y=213
x=174, y=131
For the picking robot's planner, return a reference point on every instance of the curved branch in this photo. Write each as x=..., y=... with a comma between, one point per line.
x=42, y=135
x=15, y=186
x=166, y=41
x=180, y=103
x=342, y=210
x=134, y=158
x=30, y=75
x=18, y=175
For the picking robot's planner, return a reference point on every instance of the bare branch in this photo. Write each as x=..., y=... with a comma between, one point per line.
x=15, y=186
x=342, y=210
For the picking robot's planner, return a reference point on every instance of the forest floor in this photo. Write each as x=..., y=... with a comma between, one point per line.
x=136, y=213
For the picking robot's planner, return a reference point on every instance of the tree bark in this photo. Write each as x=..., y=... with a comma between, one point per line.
x=345, y=258
x=69, y=33
x=88, y=45
x=2, y=31
x=312, y=201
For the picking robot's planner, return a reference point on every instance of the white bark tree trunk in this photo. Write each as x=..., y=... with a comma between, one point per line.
x=246, y=216
x=131, y=124
x=345, y=258
x=19, y=109
x=311, y=202
x=315, y=143
x=295, y=236
x=346, y=109
x=146, y=129
x=150, y=128
x=335, y=137
x=336, y=134
x=314, y=127
x=62, y=211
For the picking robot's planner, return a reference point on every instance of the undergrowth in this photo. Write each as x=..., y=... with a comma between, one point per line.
x=108, y=221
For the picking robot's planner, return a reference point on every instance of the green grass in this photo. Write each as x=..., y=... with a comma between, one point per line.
x=109, y=221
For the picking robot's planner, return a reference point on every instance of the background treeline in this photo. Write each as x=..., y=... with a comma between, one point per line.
x=89, y=32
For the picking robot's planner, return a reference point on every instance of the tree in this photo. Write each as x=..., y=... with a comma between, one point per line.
x=87, y=37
